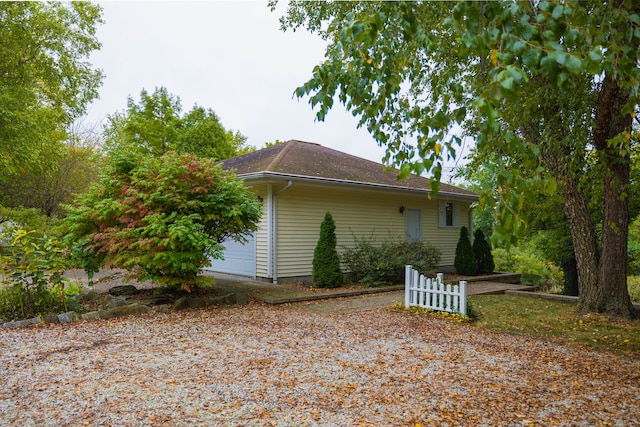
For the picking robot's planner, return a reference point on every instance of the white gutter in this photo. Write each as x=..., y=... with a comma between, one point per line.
x=274, y=229
x=281, y=176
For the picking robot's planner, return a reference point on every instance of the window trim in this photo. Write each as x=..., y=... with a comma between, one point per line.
x=442, y=214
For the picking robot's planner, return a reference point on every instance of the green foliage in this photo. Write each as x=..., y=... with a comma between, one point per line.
x=383, y=264
x=160, y=218
x=465, y=261
x=482, y=253
x=155, y=126
x=56, y=179
x=633, y=283
x=32, y=267
x=29, y=219
x=535, y=271
x=326, y=261
x=633, y=249
x=46, y=81
x=548, y=89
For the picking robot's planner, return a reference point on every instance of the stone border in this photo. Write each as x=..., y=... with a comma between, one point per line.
x=567, y=299
x=132, y=309
x=317, y=297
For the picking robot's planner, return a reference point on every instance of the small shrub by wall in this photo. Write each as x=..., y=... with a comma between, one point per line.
x=382, y=264
x=326, y=261
x=482, y=252
x=465, y=260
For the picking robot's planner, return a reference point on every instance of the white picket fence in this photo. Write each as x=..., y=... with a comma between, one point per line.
x=431, y=293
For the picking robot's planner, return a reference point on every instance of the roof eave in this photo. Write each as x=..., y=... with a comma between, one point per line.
x=278, y=177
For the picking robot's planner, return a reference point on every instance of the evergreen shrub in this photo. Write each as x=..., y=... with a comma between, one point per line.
x=482, y=252
x=465, y=260
x=326, y=261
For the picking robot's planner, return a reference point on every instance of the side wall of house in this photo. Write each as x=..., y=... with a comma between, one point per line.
x=358, y=211
x=262, y=240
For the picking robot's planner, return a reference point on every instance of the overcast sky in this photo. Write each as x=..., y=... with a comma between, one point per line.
x=230, y=56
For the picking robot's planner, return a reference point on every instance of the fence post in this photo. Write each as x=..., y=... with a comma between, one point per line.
x=407, y=285
x=463, y=297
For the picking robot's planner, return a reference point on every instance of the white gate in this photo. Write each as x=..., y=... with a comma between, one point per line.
x=433, y=293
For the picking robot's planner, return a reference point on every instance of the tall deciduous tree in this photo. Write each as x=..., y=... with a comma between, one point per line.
x=155, y=125
x=553, y=84
x=45, y=79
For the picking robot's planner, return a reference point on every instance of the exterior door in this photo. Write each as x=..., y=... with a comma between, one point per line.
x=414, y=225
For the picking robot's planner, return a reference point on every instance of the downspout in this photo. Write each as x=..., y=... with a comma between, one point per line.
x=274, y=229
x=269, y=229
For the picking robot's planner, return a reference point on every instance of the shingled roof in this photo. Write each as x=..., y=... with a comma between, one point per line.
x=305, y=160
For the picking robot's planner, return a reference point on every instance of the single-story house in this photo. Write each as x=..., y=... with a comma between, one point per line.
x=298, y=182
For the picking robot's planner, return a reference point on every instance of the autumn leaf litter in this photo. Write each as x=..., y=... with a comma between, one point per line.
x=259, y=365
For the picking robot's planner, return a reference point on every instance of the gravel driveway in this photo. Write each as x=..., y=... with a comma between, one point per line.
x=259, y=365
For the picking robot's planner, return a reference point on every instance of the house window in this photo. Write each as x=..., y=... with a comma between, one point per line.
x=449, y=214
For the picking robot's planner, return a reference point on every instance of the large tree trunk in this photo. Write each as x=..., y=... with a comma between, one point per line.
x=611, y=295
x=570, y=270
x=583, y=233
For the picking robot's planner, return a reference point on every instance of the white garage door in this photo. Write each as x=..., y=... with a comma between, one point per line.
x=239, y=258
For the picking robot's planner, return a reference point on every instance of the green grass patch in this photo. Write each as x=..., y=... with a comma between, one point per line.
x=556, y=321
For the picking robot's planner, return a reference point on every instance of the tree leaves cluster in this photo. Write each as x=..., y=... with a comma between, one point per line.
x=547, y=88
x=160, y=218
x=45, y=80
x=155, y=125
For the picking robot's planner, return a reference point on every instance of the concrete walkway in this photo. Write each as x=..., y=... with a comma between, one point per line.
x=344, y=305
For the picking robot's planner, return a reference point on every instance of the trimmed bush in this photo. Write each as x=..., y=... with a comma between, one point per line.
x=326, y=262
x=534, y=271
x=482, y=252
x=383, y=264
x=465, y=260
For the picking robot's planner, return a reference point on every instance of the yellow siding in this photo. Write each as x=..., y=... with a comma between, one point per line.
x=355, y=211
x=261, y=191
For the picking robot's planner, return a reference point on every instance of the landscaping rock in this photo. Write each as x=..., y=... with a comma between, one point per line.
x=93, y=315
x=51, y=318
x=129, y=310
x=21, y=323
x=227, y=299
x=241, y=298
x=116, y=302
x=188, y=302
x=70, y=316
x=123, y=290
x=90, y=296
x=162, y=308
x=156, y=300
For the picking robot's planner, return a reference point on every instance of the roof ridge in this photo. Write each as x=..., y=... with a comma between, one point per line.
x=278, y=158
